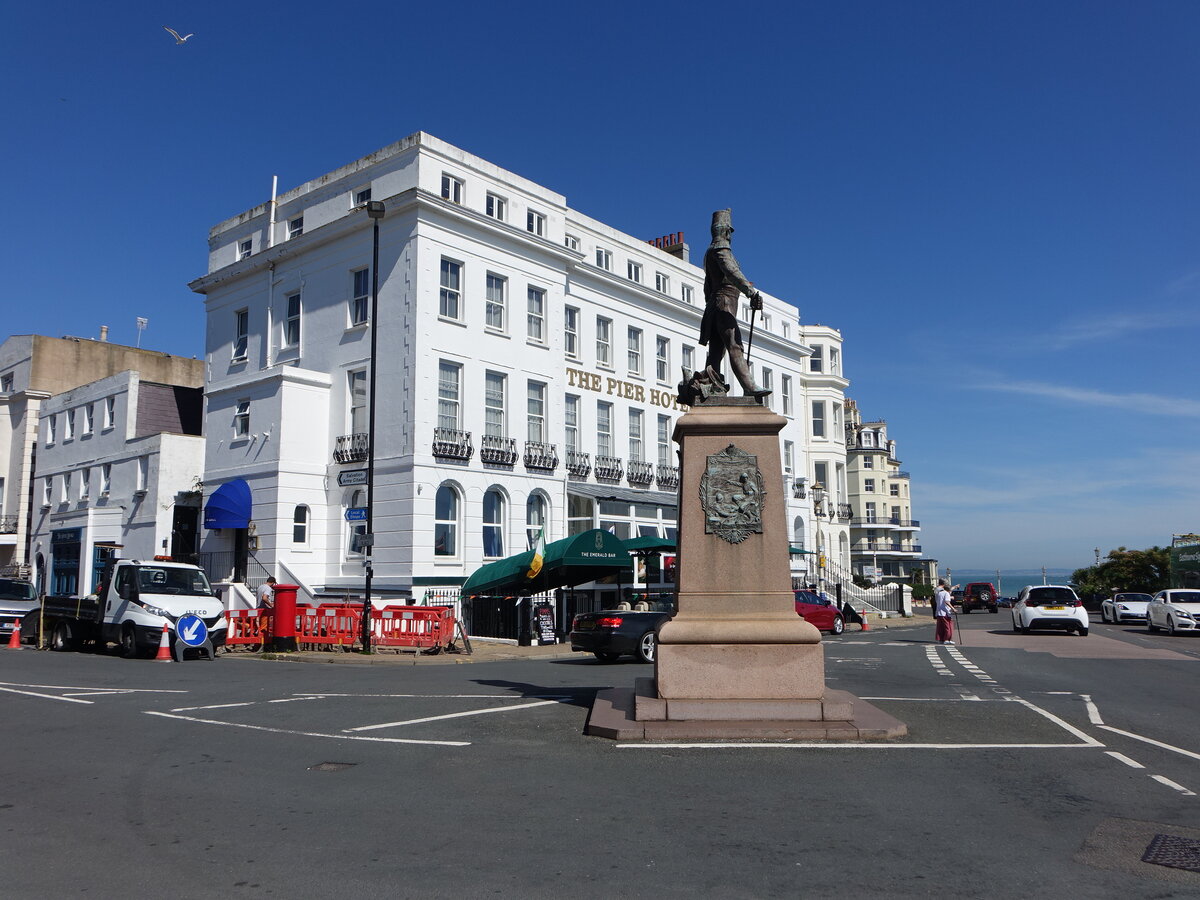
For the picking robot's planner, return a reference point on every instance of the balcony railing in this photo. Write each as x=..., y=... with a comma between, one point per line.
x=874, y=522
x=799, y=488
x=640, y=473
x=898, y=474
x=608, y=467
x=845, y=511
x=499, y=451
x=579, y=464
x=450, y=443
x=541, y=456
x=885, y=547
x=668, y=477
x=907, y=523
x=8, y=524
x=351, y=447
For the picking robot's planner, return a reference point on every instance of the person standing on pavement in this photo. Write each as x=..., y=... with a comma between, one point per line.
x=266, y=610
x=943, y=614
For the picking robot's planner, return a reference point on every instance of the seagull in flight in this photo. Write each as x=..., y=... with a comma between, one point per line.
x=175, y=34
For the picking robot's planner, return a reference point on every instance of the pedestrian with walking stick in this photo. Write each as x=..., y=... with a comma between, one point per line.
x=943, y=612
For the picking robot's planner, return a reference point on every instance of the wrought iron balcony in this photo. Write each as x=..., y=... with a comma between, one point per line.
x=898, y=474
x=800, y=488
x=500, y=451
x=885, y=547
x=450, y=443
x=668, y=477
x=609, y=467
x=640, y=473
x=541, y=456
x=907, y=523
x=845, y=511
x=579, y=464
x=350, y=448
x=873, y=522
x=8, y=524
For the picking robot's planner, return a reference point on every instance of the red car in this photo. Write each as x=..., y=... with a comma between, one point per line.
x=819, y=612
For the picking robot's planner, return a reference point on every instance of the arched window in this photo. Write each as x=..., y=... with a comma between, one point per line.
x=445, y=522
x=535, y=517
x=357, y=529
x=300, y=525
x=843, y=550
x=798, y=533
x=493, y=524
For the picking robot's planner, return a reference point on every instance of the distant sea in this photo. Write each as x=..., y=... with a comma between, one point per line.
x=1011, y=580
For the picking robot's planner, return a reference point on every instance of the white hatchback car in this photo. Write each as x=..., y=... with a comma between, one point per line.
x=1049, y=606
x=1175, y=610
x=1125, y=607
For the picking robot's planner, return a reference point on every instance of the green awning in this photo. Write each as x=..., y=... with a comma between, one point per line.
x=649, y=544
x=574, y=560
x=796, y=550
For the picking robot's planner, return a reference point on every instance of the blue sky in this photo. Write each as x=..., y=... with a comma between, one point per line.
x=995, y=202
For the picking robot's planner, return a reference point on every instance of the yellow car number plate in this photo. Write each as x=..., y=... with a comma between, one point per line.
x=1056, y=608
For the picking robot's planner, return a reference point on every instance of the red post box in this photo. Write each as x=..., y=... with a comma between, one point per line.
x=284, y=631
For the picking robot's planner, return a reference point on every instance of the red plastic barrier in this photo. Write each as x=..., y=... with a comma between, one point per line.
x=247, y=627
x=329, y=626
x=425, y=627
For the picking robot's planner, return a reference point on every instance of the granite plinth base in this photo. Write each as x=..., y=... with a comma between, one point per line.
x=638, y=714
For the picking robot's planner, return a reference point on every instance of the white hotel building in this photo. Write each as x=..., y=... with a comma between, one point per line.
x=528, y=361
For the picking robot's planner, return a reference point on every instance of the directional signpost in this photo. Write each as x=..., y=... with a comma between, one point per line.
x=190, y=631
x=352, y=477
x=356, y=514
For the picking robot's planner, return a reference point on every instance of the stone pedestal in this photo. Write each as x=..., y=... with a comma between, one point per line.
x=736, y=660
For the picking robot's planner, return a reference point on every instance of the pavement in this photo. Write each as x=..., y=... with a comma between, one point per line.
x=487, y=650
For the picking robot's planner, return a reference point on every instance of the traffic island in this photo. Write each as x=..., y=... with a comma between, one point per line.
x=736, y=661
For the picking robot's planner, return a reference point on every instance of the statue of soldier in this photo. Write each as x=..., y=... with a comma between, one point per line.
x=724, y=283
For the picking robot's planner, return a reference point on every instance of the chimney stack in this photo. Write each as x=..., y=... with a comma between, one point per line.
x=103, y=333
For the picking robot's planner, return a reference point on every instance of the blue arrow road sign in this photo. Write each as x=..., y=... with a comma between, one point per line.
x=356, y=514
x=192, y=630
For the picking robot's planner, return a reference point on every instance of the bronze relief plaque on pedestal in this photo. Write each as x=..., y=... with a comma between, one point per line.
x=732, y=495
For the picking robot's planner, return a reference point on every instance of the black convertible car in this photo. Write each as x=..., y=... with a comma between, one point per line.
x=612, y=633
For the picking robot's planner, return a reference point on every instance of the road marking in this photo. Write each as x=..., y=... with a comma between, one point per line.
x=1092, y=710
x=213, y=706
x=1059, y=722
x=293, y=699
x=336, y=737
x=444, y=696
x=934, y=699
x=76, y=687
x=965, y=693
x=457, y=715
x=1121, y=757
x=93, y=693
x=1138, y=737
x=854, y=745
x=1162, y=779
x=46, y=696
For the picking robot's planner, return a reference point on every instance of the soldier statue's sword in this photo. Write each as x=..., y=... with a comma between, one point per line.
x=750, y=342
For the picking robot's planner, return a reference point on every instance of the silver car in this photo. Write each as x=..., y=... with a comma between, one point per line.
x=1174, y=610
x=16, y=599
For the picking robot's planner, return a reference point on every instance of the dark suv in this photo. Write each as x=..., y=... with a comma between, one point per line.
x=979, y=595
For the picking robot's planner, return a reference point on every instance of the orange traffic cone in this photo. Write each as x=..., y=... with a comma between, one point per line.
x=863, y=616
x=14, y=639
x=164, y=647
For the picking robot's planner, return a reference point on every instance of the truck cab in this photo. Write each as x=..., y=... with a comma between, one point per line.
x=137, y=598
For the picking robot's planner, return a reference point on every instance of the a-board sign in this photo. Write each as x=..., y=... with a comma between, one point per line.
x=191, y=630
x=352, y=477
x=356, y=514
x=543, y=623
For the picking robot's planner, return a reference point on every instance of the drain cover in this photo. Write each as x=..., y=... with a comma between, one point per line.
x=331, y=767
x=1173, y=851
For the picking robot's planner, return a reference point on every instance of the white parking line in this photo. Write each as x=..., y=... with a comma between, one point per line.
x=1162, y=779
x=213, y=706
x=1121, y=757
x=457, y=715
x=45, y=696
x=1138, y=737
x=1091, y=741
x=336, y=737
x=1093, y=711
x=76, y=687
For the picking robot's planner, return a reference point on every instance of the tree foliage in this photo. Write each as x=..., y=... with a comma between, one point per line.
x=1146, y=571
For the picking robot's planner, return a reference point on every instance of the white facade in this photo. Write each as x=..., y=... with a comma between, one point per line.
x=528, y=358
x=110, y=480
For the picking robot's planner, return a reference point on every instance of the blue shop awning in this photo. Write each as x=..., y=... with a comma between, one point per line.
x=230, y=506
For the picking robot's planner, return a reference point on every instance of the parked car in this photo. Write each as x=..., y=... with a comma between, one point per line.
x=1124, y=607
x=1175, y=610
x=610, y=634
x=820, y=612
x=16, y=599
x=1049, y=606
x=1006, y=602
x=979, y=595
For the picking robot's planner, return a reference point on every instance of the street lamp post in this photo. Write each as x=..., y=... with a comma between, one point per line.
x=375, y=211
x=818, y=497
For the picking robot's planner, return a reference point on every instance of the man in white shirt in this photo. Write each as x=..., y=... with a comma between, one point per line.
x=943, y=612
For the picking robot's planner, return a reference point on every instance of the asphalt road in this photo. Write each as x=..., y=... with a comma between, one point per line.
x=1035, y=765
